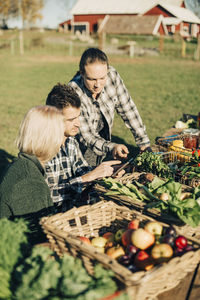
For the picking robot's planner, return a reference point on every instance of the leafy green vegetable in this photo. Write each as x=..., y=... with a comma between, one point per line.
x=13, y=238
x=153, y=163
x=37, y=275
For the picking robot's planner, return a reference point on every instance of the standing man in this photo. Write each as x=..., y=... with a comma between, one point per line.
x=102, y=91
x=68, y=173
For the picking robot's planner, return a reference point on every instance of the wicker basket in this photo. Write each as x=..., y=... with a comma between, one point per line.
x=93, y=220
x=141, y=206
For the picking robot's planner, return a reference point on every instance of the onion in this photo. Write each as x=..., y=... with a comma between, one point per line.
x=164, y=197
x=183, y=196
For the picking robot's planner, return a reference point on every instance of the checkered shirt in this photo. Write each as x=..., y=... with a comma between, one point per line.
x=114, y=96
x=64, y=173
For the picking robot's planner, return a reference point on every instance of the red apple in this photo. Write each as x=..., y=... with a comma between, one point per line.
x=110, y=238
x=142, y=239
x=126, y=237
x=154, y=227
x=134, y=224
x=181, y=242
x=85, y=239
x=115, y=252
x=143, y=260
x=161, y=252
x=131, y=250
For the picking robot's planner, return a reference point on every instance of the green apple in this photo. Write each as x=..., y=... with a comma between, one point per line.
x=118, y=235
x=99, y=241
x=154, y=227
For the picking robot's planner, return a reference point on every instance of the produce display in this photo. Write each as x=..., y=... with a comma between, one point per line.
x=165, y=195
x=36, y=273
x=141, y=245
x=192, y=167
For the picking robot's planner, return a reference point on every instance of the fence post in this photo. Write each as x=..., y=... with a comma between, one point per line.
x=21, y=43
x=70, y=48
x=102, y=40
x=183, y=48
x=12, y=48
x=197, y=51
x=161, y=43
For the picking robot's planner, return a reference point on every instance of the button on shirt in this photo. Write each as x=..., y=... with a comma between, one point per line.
x=114, y=96
x=64, y=173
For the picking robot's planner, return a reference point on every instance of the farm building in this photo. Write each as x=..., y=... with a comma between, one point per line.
x=87, y=15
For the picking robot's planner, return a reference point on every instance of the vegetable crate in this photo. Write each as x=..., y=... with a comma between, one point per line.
x=172, y=157
x=137, y=204
x=166, y=141
x=93, y=220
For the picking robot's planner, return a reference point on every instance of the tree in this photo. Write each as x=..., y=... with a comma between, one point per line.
x=8, y=8
x=30, y=11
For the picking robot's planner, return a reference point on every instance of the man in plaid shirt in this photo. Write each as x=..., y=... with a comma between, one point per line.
x=102, y=91
x=68, y=173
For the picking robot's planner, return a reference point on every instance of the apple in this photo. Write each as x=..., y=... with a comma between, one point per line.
x=100, y=249
x=169, y=239
x=110, y=238
x=161, y=252
x=124, y=260
x=131, y=250
x=115, y=252
x=134, y=224
x=181, y=242
x=118, y=235
x=154, y=227
x=85, y=239
x=143, y=260
x=170, y=230
x=126, y=237
x=142, y=239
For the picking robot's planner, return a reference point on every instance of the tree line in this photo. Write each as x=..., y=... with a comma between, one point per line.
x=28, y=10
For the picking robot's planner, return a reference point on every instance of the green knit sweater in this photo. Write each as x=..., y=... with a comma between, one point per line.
x=24, y=192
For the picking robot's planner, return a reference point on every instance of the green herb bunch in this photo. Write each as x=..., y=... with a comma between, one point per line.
x=153, y=163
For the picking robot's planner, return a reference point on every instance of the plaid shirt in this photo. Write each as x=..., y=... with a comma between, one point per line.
x=114, y=96
x=64, y=173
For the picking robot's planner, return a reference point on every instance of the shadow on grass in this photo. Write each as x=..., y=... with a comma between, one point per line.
x=133, y=150
x=5, y=160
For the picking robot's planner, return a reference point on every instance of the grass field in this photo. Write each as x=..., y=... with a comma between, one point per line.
x=163, y=88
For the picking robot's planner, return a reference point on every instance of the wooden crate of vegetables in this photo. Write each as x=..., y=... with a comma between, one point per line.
x=147, y=256
x=156, y=193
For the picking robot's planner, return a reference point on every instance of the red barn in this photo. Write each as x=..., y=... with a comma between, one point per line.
x=88, y=14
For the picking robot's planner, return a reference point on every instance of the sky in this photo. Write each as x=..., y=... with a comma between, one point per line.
x=54, y=12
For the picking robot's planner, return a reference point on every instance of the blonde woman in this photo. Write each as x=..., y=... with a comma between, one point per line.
x=23, y=190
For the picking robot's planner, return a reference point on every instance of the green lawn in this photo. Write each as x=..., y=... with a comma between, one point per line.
x=163, y=88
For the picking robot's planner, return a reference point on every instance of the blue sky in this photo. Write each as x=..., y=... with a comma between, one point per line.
x=54, y=12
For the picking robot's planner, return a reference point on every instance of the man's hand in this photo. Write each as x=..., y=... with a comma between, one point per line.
x=145, y=149
x=105, y=169
x=120, y=151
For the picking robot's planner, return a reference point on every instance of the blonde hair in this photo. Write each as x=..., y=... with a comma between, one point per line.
x=41, y=132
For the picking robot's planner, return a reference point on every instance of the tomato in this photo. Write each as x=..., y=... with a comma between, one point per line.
x=197, y=150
